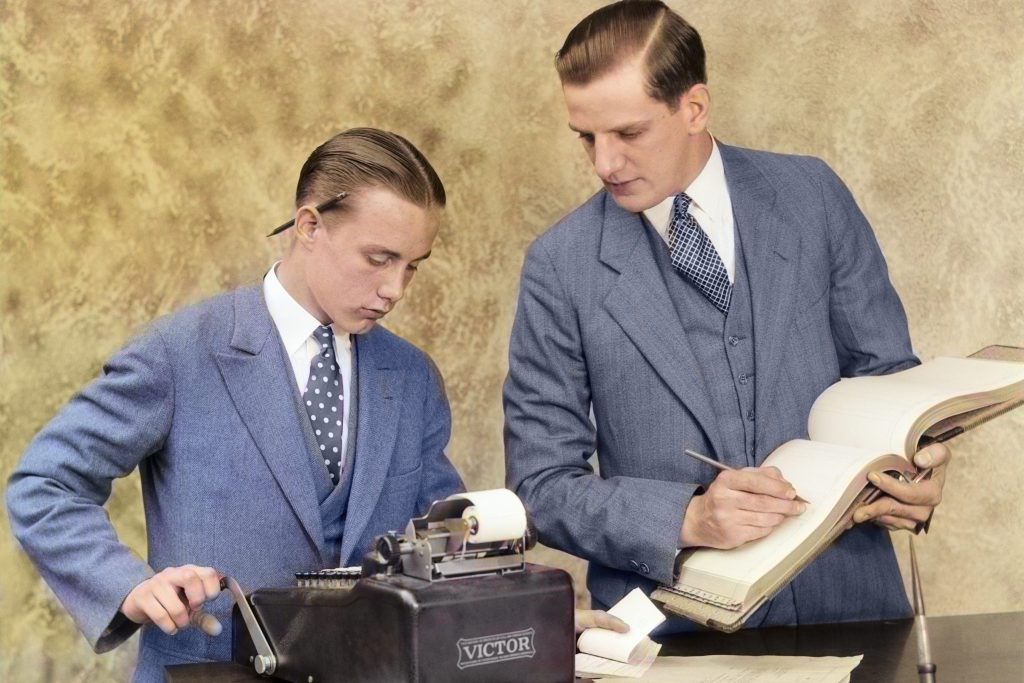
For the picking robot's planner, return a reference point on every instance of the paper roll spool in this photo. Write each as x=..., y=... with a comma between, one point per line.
x=499, y=515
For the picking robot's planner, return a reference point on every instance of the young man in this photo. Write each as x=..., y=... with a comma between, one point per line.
x=277, y=428
x=703, y=299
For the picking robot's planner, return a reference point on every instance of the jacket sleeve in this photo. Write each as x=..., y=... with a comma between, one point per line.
x=625, y=523
x=869, y=324
x=56, y=495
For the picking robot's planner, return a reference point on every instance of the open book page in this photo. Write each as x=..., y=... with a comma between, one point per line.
x=890, y=412
x=605, y=652
x=828, y=477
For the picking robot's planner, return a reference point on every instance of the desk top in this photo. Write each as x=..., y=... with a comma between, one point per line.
x=978, y=647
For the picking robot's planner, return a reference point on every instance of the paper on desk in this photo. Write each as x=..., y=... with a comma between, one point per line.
x=737, y=669
x=632, y=652
x=589, y=666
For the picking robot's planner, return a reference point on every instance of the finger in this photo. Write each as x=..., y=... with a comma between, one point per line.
x=896, y=523
x=758, y=519
x=604, y=620
x=890, y=507
x=167, y=595
x=211, y=581
x=778, y=506
x=935, y=455
x=752, y=480
x=157, y=614
x=206, y=622
x=193, y=588
x=927, y=492
x=769, y=471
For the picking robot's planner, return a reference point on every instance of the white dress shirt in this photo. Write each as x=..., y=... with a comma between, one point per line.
x=711, y=206
x=296, y=326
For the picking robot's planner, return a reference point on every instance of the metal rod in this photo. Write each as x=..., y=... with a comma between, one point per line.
x=925, y=664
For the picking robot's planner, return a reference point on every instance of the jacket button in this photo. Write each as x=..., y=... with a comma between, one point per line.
x=750, y=415
x=734, y=340
x=743, y=379
x=644, y=568
x=633, y=565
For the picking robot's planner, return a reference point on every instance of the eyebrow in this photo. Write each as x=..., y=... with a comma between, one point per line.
x=377, y=249
x=617, y=129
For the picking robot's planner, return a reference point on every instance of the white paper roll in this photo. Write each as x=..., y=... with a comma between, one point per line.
x=499, y=515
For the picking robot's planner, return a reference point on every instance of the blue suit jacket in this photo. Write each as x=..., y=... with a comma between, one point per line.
x=596, y=331
x=204, y=404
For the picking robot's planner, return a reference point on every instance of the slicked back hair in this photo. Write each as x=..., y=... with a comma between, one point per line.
x=671, y=50
x=359, y=158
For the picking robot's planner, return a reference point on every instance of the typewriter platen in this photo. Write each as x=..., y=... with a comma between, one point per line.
x=452, y=599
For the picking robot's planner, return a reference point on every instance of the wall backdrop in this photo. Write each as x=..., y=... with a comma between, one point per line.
x=147, y=147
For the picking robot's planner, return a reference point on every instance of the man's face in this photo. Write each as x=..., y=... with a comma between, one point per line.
x=361, y=260
x=642, y=151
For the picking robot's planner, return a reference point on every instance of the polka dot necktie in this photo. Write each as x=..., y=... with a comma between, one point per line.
x=325, y=401
x=694, y=256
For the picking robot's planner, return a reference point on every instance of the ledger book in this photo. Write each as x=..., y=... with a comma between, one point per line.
x=856, y=426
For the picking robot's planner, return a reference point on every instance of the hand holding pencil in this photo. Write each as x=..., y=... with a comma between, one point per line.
x=739, y=506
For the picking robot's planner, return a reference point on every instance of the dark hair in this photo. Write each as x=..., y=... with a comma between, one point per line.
x=368, y=157
x=671, y=49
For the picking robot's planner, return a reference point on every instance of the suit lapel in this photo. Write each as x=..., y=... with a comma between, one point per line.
x=640, y=303
x=771, y=250
x=259, y=380
x=380, y=391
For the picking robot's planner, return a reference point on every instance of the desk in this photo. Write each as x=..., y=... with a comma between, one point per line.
x=978, y=647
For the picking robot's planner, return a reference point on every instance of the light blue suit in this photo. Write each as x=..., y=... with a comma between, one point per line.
x=596, y=329
x=205, y=404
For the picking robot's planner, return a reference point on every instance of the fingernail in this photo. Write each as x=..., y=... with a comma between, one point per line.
x=923, y=459
x=791, y=494
x=803, y=507
x=874, y=478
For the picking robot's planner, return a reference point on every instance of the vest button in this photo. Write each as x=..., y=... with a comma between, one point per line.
x=734, y=340
x=743, y=379
x=750, y=415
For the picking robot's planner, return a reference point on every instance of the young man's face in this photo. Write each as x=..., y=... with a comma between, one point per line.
x=361, y=260
x=641, y=149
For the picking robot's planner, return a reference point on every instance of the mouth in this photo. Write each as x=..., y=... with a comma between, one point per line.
x=373, y=313
x=619, y=187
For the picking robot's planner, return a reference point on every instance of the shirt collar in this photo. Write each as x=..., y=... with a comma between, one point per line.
x=708, y=190
x=294, y=323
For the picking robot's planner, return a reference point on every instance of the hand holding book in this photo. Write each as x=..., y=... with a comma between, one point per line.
x=908, y=504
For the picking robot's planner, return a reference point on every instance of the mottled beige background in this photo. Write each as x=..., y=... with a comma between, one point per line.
x=148, y=146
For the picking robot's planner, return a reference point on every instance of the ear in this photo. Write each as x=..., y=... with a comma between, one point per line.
x=696, y=106
x=307, y=222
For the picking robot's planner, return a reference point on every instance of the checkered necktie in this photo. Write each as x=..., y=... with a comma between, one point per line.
x=695, y=257
x=325, y=402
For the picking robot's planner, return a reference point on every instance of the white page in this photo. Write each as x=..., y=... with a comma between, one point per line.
x=589, y=666
x=637, y=610
x=879, y=411
x=742, y=669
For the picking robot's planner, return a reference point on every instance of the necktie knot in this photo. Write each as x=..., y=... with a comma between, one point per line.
x=681, y=204
x=325, y=337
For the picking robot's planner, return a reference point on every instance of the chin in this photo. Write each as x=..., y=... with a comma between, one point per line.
x=633, y=203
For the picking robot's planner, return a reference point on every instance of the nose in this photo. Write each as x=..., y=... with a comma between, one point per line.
x=392, y=287
x=607, y=158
